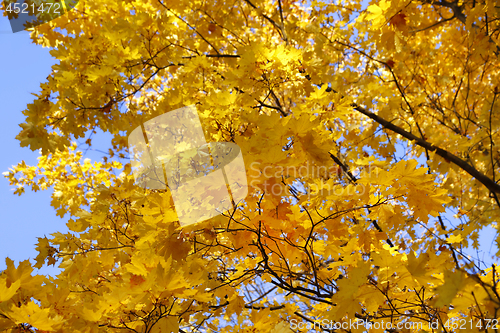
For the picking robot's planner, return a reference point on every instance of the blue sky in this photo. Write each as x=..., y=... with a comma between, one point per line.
x=22, y=218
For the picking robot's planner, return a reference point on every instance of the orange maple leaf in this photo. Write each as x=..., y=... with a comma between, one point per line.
x=399, y=21
x=136, y=280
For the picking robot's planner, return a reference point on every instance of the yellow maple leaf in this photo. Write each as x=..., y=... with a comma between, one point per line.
x=7, y=293
x=453, y=283
x=377, y=12
x=168, y=324
x=32, y=314
x=454, y=239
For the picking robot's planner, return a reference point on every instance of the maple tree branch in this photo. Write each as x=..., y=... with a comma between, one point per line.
x=276, y=99
x=249, y=306
x=273, y=107
x=262, y=296
x=190, y=26
x=344, y=168
x=482, y=178
x=241, y=41
x=215, y=56
x=276, y=25
x=458, y=13
x=258, y=307
x=471, y=170
x=354, y=180
x=281, y=283
x=457, y=10
x=491, y=146
x=434, y=24
x=450, y=246
x=285, y=37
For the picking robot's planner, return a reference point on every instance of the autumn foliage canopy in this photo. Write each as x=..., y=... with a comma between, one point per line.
x=370, y=134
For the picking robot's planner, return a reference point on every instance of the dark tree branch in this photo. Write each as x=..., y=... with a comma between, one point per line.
x=482, y=178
